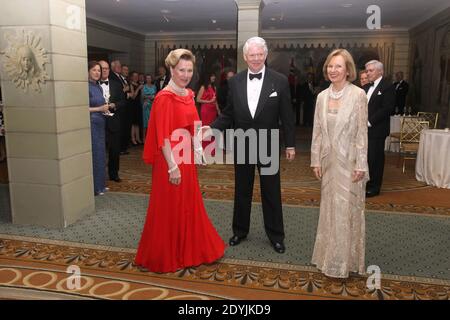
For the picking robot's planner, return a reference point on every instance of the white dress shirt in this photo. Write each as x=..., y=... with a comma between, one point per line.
x=370, y=92
x=372, y=88
x=254, y=87
x=106, y=93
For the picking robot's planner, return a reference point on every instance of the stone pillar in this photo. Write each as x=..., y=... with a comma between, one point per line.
x=43, y=62
x=249, y=25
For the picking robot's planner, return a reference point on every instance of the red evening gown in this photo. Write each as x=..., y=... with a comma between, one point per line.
x=208, y=113
x=177, y=232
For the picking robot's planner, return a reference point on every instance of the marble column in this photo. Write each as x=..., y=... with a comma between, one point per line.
x=43, y=63
x=249, y=25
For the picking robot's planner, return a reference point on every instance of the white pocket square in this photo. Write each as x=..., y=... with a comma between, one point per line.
x=379, y=93
x=273, y=94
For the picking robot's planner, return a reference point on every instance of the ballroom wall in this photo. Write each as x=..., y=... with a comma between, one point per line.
x=127, y=46
x=430, y=66
x=391, y=47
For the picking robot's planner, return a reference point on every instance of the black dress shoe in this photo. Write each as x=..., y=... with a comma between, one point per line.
x=279, y=247
x=372, y=193
x=116, y=179
x=235, y=240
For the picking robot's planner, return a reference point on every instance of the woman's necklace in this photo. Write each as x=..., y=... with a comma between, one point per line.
x=177, y=89
x=337, y=95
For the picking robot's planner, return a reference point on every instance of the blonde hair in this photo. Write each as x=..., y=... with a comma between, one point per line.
x=176, y=55
x=349, y=64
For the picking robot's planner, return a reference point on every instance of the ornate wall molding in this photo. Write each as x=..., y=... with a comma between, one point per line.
x=25, y=59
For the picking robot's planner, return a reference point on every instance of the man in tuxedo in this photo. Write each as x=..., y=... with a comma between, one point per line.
x=162, y=80
x=125, y=118
x=112, y=88
x=307, y=94
x=258, y=98
x=401, y=90
x=381, y=97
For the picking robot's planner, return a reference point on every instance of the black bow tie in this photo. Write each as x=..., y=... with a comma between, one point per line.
x=372, y=84
x=104, y=82
x=255, y=75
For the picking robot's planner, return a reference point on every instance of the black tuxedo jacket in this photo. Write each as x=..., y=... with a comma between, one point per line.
x=274, y=105
x=158, y=84
x=400, y=94
x=119, y=98
x=381, y=106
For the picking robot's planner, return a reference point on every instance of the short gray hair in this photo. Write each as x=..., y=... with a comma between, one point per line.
x=378, y=65
x=256, y=41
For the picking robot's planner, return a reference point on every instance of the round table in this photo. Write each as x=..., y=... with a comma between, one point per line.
x=433, y=158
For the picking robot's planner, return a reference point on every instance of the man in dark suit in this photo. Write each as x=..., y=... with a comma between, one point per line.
x=117, y=98
x=258, y=98
x=381, y=97
x=401, y=90
x=307, y=95
x=162, y=80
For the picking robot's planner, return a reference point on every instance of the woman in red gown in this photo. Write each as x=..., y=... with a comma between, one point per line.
x=209, y=109
x=177, y=232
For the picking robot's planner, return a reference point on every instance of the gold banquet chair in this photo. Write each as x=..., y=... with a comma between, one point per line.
x=394, y=137
x=410, y=137
x=431, y=117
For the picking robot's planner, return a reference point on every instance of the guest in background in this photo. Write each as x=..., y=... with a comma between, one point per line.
x=142, y=78
x=308, y=94
x=118, y=91
x=222, y=91
x=163, y=79
x=363, y=78
x=136, y=109
x=117, y=77
x=148, y=95
x=339, y=160
x=127, y=112
x=177, y=232
x=209, y=108
x=222, y=95
x=401, y=91
x=97, y=108
x=381, y=97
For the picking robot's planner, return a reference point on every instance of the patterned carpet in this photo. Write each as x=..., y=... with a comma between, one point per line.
x=410, y=249
x=408, y=231
x=400, y=192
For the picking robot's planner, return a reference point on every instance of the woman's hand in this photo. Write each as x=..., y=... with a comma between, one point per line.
x=175, y=176
x=358, y=175
x=318, y=172
x=104, y=108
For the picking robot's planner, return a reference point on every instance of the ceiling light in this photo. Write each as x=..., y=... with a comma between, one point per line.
x=218, y=29
x=273, y=19
x=165, y=11
x=213, y=21
x=346, y=5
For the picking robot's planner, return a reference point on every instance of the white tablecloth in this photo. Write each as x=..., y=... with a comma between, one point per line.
x=433, y=158
x=395, y=126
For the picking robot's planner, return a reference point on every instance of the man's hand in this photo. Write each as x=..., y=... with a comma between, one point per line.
x=290, y=154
